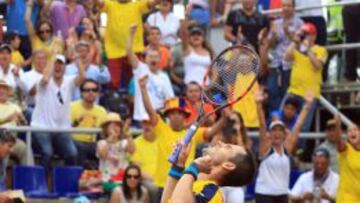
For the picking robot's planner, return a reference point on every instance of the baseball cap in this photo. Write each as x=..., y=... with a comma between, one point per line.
x=322, y=152
x=196, y=29
x=61, y=58
x=309, y=28
x=276, y=123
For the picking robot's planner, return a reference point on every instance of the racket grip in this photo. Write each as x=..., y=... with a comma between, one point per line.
x=187, y=138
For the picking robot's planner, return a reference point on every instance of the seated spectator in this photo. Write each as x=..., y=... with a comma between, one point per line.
x=169, y=133
x=349, y=156
x=90, y=179
x=7, y=143
x=332, y=132
x=116, y=36
x=14, y=41
x=308, y=60
x=98, y=73
x=113, y=150
x=167, y=22
x=275, y=148
x=197, y=53
x=147, y=144
x=153, y=37
x=318, y=185
x=52, y=110
x=11, y=116
x=68, y=9
x=193, y=103
x=159, y=85
x=43, y=35
x=289, y=113
x=85, y=113
x=131, y=190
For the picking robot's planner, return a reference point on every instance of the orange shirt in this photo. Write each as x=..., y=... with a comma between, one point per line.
x=194, y=112
x=165, y=57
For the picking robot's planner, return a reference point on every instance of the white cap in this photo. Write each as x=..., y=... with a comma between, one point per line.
x=276, y=123
x=61, y=58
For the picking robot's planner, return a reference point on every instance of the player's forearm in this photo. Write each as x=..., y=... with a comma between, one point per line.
x=183, y=190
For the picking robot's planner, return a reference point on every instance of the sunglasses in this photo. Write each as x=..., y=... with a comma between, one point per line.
x=132, y=176
x=60, y=98
x=91, y=90
x=44, y=31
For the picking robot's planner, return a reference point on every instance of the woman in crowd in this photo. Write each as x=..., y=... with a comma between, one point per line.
x=275, y=149
x=113, y=151
x=196, y=52
x=349, y=165
x=131, y=191
x=42, y=35
x=167, y=22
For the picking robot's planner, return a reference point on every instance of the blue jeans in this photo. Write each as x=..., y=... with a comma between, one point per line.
x=62, y=143
x=276, y=90
x=86, y=152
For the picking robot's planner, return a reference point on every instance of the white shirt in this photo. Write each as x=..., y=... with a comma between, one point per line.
x=9, y=77
x=169, y=27
x=158, y=86
x=27, y=82
x=195, y=67
x=305, y=184
x=52, y=107
x=274, y=174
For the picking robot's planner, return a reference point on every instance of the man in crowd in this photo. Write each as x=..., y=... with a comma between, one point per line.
x=280, y=37
x=288, y=114
x=319, y=184
x=153, y=37
x=98, y=73
x=8, y=71
x=245, y=24
x=7, y=143
x=158, y=86
x=308, y=60
x=147, y=144
x=117, y=35
x=65, y=15
x=52, y=110
x=85, y=113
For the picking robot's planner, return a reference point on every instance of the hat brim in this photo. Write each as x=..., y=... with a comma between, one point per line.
x=187, y=112
x=278, y=124
x=106, y=123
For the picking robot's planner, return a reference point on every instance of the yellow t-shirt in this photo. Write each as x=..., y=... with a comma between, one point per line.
x=16, y=57
x=167, y=138
x=119, y=18
x=349, y=186
x=86, y=119
x=247, y=105
x=304, y=76
x=7, y=109
x=143, y=155
x=208, y=190
x=37, y=44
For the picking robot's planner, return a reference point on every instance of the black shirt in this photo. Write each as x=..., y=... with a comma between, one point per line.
x=250, y=25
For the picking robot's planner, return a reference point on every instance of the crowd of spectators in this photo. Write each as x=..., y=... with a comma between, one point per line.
x=60, y=67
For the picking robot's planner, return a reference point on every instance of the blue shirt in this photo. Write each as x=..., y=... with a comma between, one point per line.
x=15, y=17
x=102, y=76
x=281, y=116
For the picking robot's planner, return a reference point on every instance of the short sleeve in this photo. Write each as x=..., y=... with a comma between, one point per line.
x=230, y=19
x=143, y=6
x=107, y=5
x=151, y=20
x=206, y=194
x=322, y=54
x=141, y=70
x=298, y=188
x=159, y=128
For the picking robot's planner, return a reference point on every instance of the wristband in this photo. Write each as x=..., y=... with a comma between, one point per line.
x=176, y=172
x=193, y=170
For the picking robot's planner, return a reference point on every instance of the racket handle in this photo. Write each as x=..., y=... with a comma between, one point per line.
x=187, y=138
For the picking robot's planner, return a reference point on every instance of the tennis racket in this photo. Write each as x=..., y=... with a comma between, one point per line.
x=230, y=77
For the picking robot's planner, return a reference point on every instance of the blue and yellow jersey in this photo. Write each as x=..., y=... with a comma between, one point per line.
x=207, y=192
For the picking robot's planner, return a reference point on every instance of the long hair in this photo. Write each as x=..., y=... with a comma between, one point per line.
x=125, y=187
x=42, y=22
x=208, y=47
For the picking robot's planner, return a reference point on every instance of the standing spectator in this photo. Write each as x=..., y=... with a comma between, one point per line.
x=153, y=37
x=92, y=11
x=42, y=36
x=281, y=35
x=351, y=19
x=193, y=103
x=116, y=35
x=349, y=166
x=318, y=185
x=98, y=73
x=246, y=22
x=14, y=41
x=52, y=110
x=308, y=60
x=8, y=71
x=65, y=15
x=167, y=22
x=131, y=190
x=7, y=143
x=332, y=132
x=85, y=113
x=288, y=114
x=15, y=21
x=11, y=116
x=169, y=134
x=146, y=144
x=159, y=86
x=113, y=150
x=197, y=53
x=275, y=149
